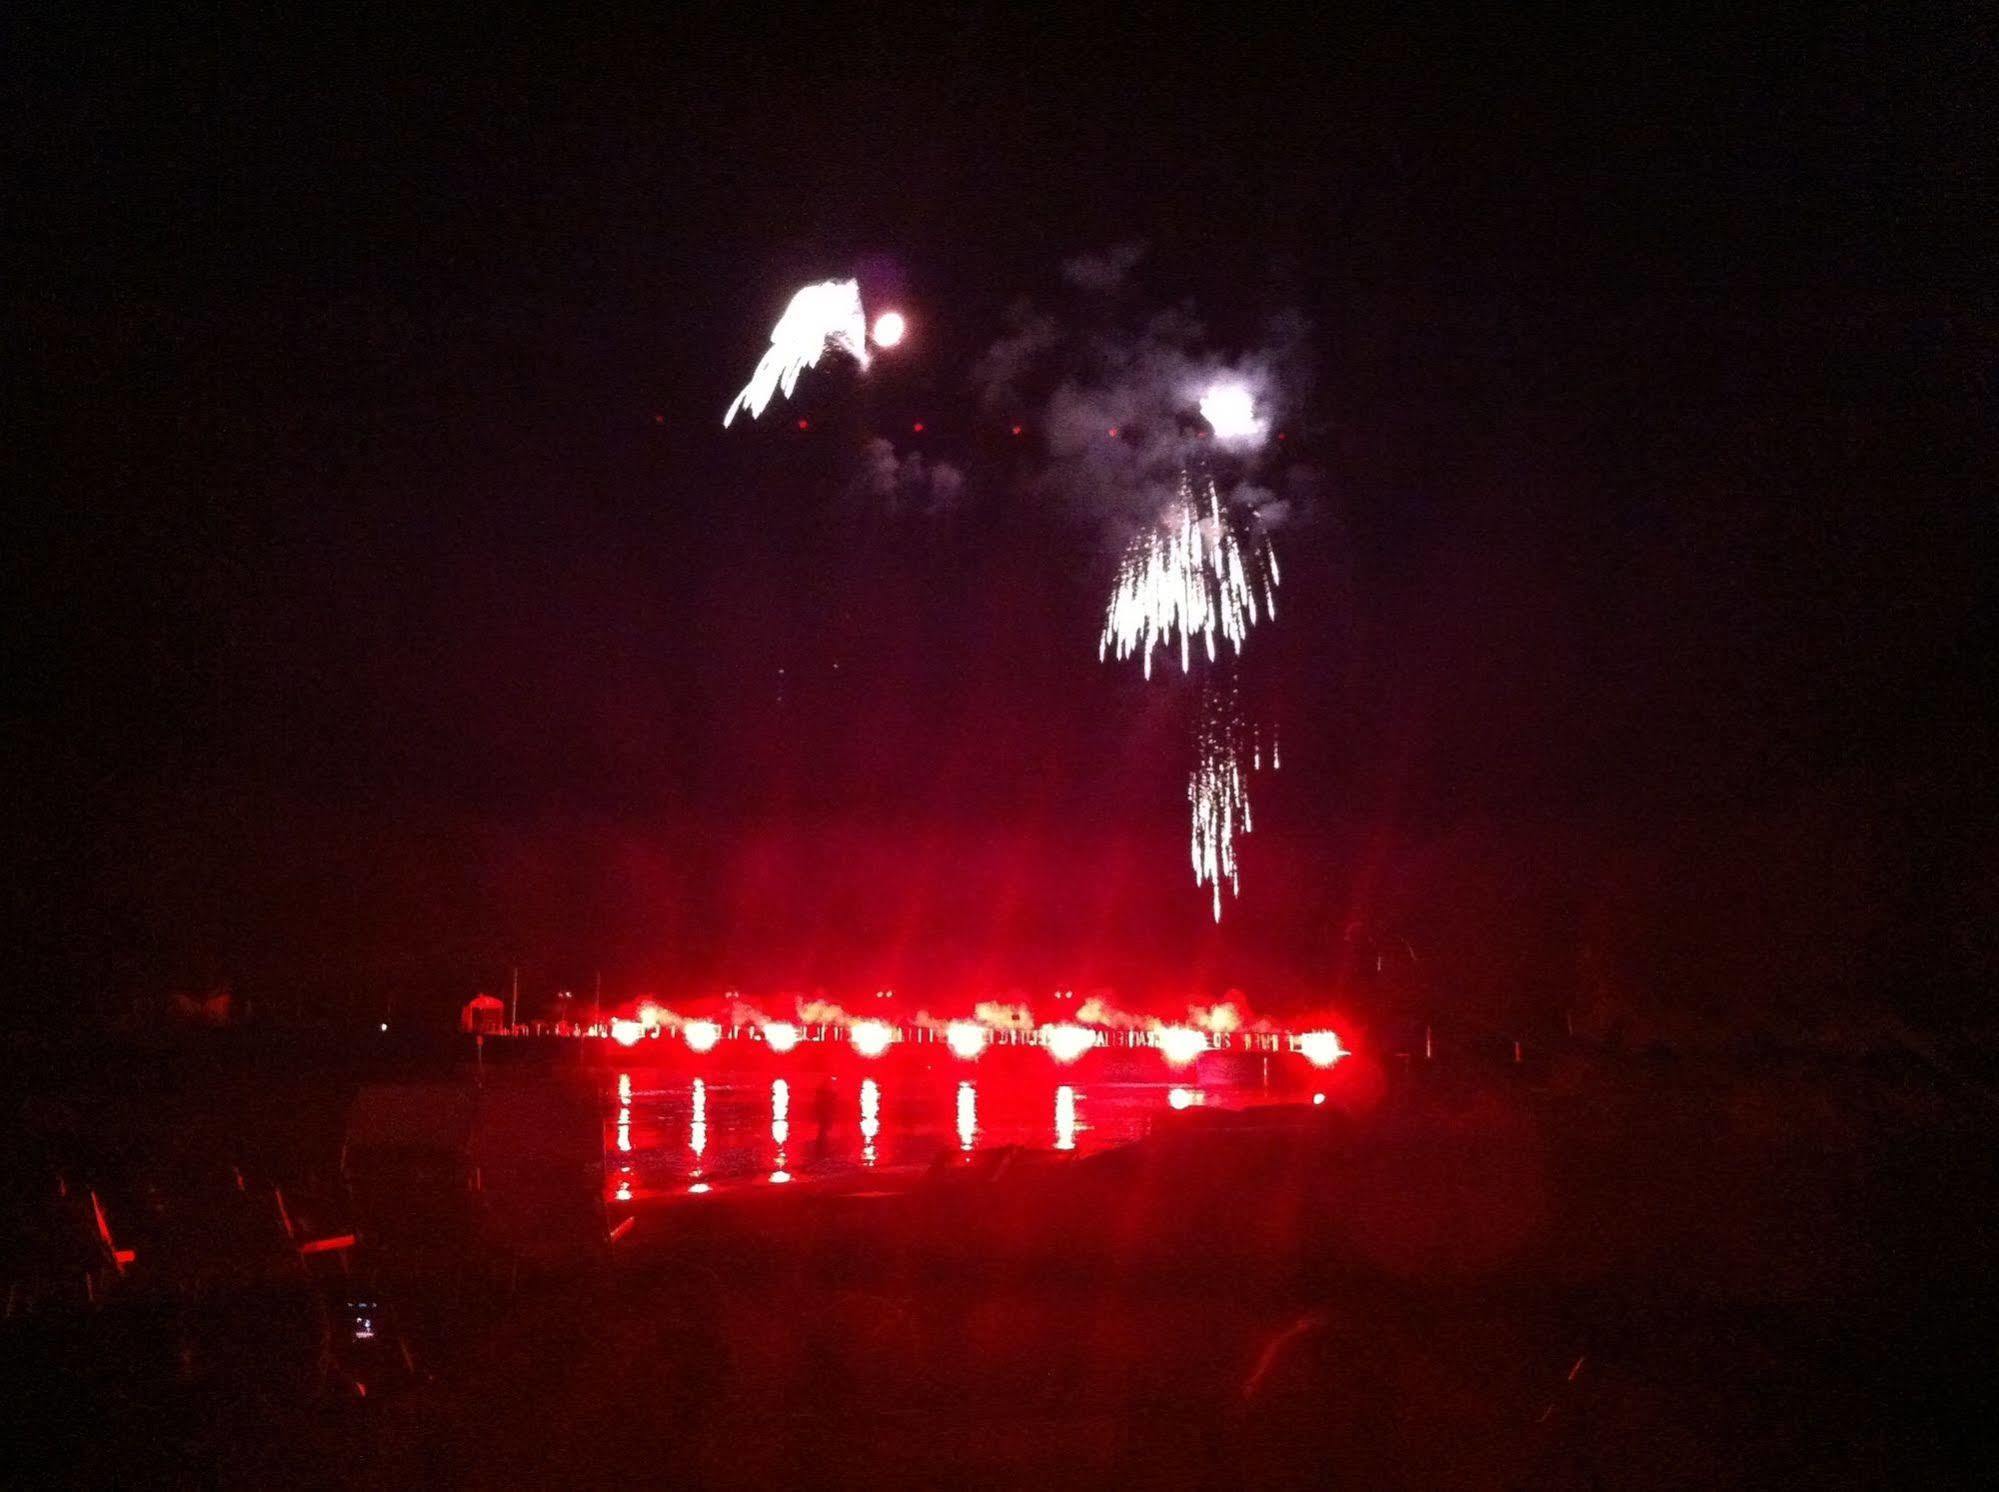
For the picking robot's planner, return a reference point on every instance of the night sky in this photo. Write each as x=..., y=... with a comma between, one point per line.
x=391, y=605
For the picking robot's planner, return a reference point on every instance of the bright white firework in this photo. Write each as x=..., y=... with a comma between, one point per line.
x=1230, y=411
x=819, y=316
x=1218, y=793
x=889, y=327
x=1194, y=573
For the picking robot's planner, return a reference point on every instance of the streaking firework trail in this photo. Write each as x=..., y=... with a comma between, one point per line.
x=1193, y=573
x=1218, y=795
x=819, y=316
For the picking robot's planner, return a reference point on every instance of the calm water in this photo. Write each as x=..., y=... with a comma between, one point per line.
x=669, y=1133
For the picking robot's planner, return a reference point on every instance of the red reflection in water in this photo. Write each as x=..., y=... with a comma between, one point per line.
x=697, y=1128
x=624, y=1087
x=625, y=1118
x=780, y=1125
x=701, y=1036
x=1180, y=1044
x=1067, y=1043
x=871, y=1104
x=965, y=1038
x=968, y=1115
x=698, y=1188
x=1065, y=1118
x=871, y=1038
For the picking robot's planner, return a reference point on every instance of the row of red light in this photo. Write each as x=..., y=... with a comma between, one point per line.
x=1066, y=1043
x=917, y=428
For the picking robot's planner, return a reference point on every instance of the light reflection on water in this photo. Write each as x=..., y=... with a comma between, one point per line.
x=686, y=1134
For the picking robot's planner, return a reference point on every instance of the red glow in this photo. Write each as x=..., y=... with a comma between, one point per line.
x=1179, y=1044
x=1065, y=1118
x=1067, y=1043
x=699, y=1188
x=1320, y=1048
x=626, y=1033
x=805, y=424
x=918, y=427
x=968, y=1115
x=966, y=1039
x=1113, y=432
x=1016, y=429
x=871, y=1038
x=780, y=1036
x=701, y=1036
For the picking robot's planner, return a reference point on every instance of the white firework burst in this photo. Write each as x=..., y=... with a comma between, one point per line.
x=819, y=316
x=1203, y=570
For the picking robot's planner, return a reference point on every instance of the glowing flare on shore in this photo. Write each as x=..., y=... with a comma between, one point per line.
x=966, y=1039
x=871, y=1038
x=701, y=1036
x=1320, y=1048
x=780, y=1036
x=626, y=1033
x=1179, y=1045
x=819, y=316
x=1067, y=1043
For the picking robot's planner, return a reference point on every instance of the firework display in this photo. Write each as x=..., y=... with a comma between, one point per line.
x=819, y=317
x=1203, y=570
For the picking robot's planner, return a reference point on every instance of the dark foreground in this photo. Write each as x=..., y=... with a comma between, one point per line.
x=1593, y=1274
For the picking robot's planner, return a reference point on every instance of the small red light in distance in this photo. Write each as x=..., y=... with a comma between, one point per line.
x=805, y=424
x=1016, y=429
x=918, y=427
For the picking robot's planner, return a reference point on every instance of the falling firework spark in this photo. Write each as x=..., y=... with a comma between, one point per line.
x=1218, y=792
x=819, y=316
x=1194, y=573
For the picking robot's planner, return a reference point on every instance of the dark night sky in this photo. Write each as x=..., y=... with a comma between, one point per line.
x=392, y=605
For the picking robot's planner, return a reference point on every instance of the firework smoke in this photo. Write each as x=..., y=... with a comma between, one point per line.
x=819, y=317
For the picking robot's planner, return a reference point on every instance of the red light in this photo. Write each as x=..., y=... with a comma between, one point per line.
x=805, y=424
x=701, y=1036
x=965, y=1038
x=780, y=1036
x=659, y=419
x=626, y=1033
x=918, y=427
x=1179, y=1044
x=1113, y=432
x=1016, y=429
x=1067, y=1043
x=871, y=1038
x=1320, y=1048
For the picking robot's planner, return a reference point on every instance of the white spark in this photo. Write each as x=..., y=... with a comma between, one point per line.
x=889, y=327
x=819, y=316
x=1192, y=574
